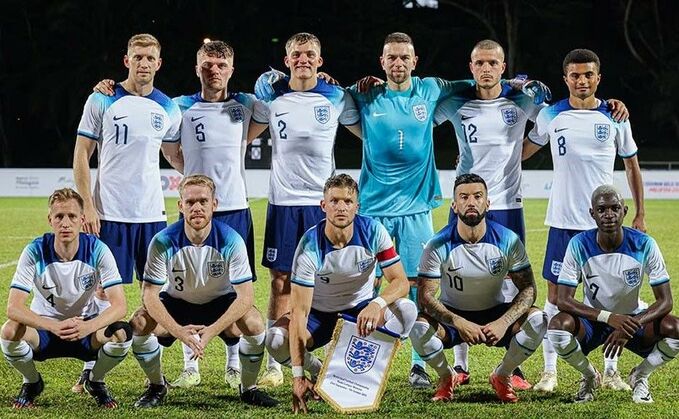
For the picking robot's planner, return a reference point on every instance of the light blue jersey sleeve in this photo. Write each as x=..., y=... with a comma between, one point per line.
x=434, y=254
x=105, y=264
x=655, y=264
x=29, y=267
x=235, y=254
x=160, y=252
x=574, y=260
x=91, y=122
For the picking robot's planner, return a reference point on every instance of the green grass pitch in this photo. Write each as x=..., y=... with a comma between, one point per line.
x=24, y=219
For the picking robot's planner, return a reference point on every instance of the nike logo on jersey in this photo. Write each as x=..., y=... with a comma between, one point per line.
x=591, y=276
x=375, y=114
x=118, y=118
x=454, y=269
x=559, y=129
x=281, y=114
x=465, y=117
x=195, y=118
x=47, y=288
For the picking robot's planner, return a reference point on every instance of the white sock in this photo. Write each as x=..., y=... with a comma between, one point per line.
x=188, y=354
x=88, y=365
x=312, y=364
x=110, y=355
x=663, y=352
x=548, y=352
x=270, y=360
x=277, y=345
x=400, y=316
x=251, y=353
x=570, y=351
x=461, y=352
x=20, y=355
x=429, y=347
x=611, y=364
x=524, y=343
x=147, y=351
x=232, y=356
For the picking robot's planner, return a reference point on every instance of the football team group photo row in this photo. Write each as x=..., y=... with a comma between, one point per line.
x=363, y=250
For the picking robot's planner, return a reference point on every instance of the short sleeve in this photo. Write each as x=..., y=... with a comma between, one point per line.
x=92, y=118
x=655, y=265
x=173, y=132
x=349, y=114
x=430, y=262
x=155, y=271
x=107, y=267
x=385, y=250
x=540, y=131
x=239, y=268
x=517, y=258
x=570, y=268
x=624, y=141
x=27, y=269
x=261, y=112
x=304, y=264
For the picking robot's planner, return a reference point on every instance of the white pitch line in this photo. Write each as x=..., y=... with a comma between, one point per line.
x=8, y=264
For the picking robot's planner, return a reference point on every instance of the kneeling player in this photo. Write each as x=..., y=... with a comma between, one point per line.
x=468, y=261
x=610, y=261
x=65, y=268
x=198, y=281
x=333, y=272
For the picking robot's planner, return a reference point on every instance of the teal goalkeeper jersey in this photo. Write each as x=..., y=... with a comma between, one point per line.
x=398, y=173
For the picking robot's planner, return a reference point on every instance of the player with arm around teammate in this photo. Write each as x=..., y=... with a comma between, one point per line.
x=198, y=281
x=584, y=140
x=610, y=262
x=467, y=262
x=303, y=115
x=64, y=268
x=333, y=272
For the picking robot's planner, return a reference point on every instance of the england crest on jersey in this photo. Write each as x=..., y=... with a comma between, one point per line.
x=632, y=277
x=495, y=265
x=602, y=131
x=322, y=113
x=364, y=265
x=510, y=115
x=157, y=121
x=420, y=112
x=271, y=254
x=236, y=113
x=361, y=355
x=86, y=281
x=216, y=269
x=556, y=267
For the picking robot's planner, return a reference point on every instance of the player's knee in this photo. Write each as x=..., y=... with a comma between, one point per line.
x=562, y=321
x=12, y=330
x=277, y=343
x=669, y=327
x=420, y=335
x=251, y=323
x=119, y=332
x=535, y=325
x=280, y=285
x=141, y=323
x=404, y=312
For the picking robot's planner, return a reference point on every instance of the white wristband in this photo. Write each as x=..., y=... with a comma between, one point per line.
x=380, y=302
x=603, y=316
x=297, y=371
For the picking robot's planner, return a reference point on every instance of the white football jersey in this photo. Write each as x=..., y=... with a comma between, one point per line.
x=490, y=137
x=197, y=274
x=65, y=289
x=303, y=127
x=129, y=131
x=584, y=143
x=612, y=280
x=471, y=274
x=342, y=278
x=214, y=142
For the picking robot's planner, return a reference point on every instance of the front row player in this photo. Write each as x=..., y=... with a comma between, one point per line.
x=65, y=268
x=610, y=261
x=468, y=261
x=197, y=280
x=333, y=272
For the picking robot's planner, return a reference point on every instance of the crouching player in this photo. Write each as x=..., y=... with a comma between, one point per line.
x=333, y=272
x=610, y=261
x=468, y=261
x=197, y=280
x=65, y=268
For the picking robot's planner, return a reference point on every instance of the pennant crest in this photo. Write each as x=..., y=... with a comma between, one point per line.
x=361, y=355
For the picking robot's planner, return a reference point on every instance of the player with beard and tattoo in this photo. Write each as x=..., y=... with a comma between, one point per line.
x=467, y=262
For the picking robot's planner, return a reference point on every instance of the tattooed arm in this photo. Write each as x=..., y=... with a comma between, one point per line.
x=522, y=302
x=470, y=332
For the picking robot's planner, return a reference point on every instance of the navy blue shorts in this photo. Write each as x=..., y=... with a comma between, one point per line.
x=557, y=242
x=596, y=334
x=241, y=221
x=129, y=243
x=321, y=324
x=285, y=225
x=510, y=218
x=185, y=313
x=480, y=317
x=52, y=346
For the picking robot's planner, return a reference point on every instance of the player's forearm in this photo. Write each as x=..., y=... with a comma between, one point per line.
x=572, y=306
x=236, y=311
x=115, y=312
x=81, y=176
x=173, y=154
x=395, y=289
x=636, y=185
x=522, y=302
x=297, y=342
x=433, y=306
x=159, y=313
x=23, y=315
x=656, y=311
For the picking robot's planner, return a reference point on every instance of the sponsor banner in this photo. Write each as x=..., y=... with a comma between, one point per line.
x=658, y=184
x=354, y=375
